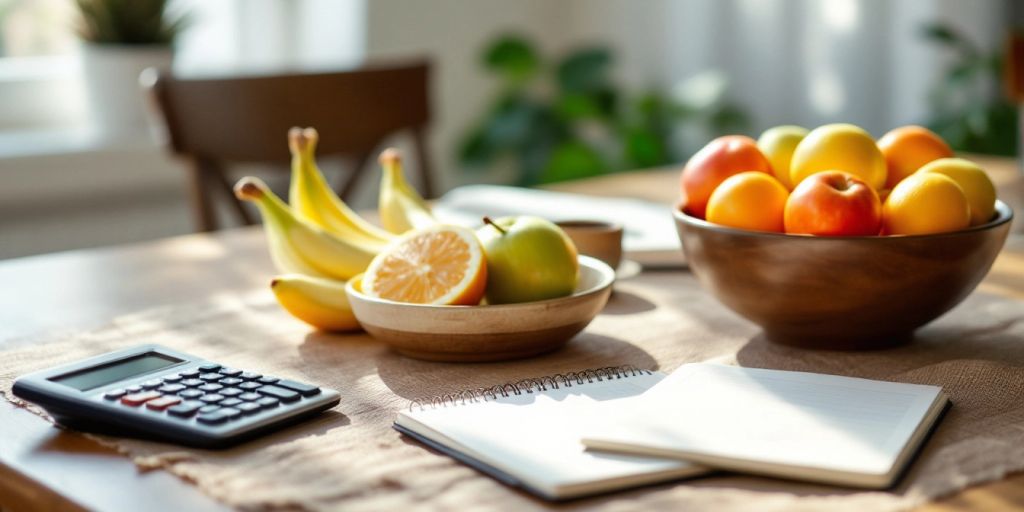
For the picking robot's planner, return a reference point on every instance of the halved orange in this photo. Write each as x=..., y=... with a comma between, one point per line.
x=439, y=264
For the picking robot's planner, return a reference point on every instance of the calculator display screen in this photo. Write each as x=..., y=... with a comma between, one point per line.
x=89, y=378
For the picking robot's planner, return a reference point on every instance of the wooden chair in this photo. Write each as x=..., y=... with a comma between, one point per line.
x=220, y=121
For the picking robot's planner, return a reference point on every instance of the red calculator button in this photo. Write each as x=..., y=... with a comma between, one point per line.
x=162, y=403
x=138, y=399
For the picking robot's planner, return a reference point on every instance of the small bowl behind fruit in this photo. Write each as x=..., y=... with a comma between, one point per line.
x=488, y=332
x=840, y=293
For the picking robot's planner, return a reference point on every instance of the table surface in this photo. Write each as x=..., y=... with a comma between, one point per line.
x=43, y=468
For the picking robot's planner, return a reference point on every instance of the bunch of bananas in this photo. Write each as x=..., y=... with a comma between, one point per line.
x=318, y=242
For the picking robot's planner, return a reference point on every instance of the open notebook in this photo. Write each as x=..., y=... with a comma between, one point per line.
x=527, y=434
x=803, y=426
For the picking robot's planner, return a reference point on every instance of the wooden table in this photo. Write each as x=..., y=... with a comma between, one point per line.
x=43, y=468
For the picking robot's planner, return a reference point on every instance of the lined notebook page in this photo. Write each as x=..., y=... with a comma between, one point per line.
x=786, y=418
x=536, y=436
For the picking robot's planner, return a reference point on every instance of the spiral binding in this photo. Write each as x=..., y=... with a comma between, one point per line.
x=538, y=384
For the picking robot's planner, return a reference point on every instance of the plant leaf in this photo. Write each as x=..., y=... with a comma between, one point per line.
x=585, y=70
x=513, y=57
x=573, y=160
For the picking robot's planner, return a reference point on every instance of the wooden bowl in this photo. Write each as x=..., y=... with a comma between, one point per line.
x=844, y=293
x=484, y=333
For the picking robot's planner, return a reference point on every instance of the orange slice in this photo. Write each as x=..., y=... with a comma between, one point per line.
x=436, y=265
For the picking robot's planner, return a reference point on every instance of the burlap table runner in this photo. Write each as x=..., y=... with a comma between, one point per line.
x=351, y=459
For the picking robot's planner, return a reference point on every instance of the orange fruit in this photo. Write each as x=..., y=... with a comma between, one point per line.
x=719, y=159
x=925, y=203
x=980, y=191
x=908, y=148
x=749, y=200
x=441, y=264
x=838, y=147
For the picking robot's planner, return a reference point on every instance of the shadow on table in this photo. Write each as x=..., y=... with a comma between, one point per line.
x=626, y=303
x=412, y=378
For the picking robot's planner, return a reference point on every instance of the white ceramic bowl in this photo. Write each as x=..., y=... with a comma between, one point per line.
x=484, y=333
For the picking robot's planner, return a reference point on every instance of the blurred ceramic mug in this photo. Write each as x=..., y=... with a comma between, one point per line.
x=601, y=240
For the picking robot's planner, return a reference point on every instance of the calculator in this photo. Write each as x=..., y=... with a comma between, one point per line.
x=153, y=392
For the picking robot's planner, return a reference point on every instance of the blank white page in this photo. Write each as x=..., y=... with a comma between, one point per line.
x=771, y=416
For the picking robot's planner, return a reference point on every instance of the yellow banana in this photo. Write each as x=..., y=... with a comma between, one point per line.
x=401, y=207
x=298, y=246
x=314, y=200
x=319, y=302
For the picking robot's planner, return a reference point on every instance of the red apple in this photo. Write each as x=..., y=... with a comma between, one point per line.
x=720, y=159
x=833, y=203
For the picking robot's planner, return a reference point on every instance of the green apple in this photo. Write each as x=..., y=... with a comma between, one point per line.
x=528, y=259
x=778, y=144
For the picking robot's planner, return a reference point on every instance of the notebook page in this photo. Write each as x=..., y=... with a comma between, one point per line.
x=538, y=434
x=788, y=418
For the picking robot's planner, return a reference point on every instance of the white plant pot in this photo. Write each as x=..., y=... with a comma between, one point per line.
x=117, y=105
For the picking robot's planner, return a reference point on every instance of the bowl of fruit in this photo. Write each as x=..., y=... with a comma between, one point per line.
x=828, y=239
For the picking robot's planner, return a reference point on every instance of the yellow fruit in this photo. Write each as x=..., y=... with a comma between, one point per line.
x=749, y=200
x=778, y=144
x=439, y=264
x=839, y=147
x=980, y=191
x=319, y=302
x=925, y=203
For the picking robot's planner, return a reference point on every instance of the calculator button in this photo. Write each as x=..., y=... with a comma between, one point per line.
x=230, y=372
x=212, y=398
x=284, y=395
x=213, y=418
x=251, y=376
x=191, y=393
x=173, y=378
x=170, y=389
x=268, y=402
x=162, y=403
x=229, y=402
x=248, y=407
x=231, y=392
x=231, y=412
x=212, y=367
x=210, y=388
x=302, y=389
x=208, y=408
x=114, y=394
x=185, y=409
x=249, y=386
x=189, y=374
x=137, y=399
x=151, y=384
x=266, y=379
x=192, y=382
x=210, y=377
x=248, y=397
x=133, y=389
x=231, y=381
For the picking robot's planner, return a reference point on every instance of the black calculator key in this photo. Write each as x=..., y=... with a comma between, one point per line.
x=189, y=374
x=212, y=398
x=231, y=381
x=251, y=376
x=170, y=388
x=230, y=372
x=208, y=408
x=266, y=379
x=229, y=402
x=185, y=409
x=192, y=382
x=213, y=418
x=302, y=389
x=249, y=386
x=210, y=388
x=268, y=402
x=191, y=393
x=250, y=396
x=231, y=392
x=282, y=394
x=152, y=384
x=248, y=407
x=172, y=378
x=114, y=394
x=133, y=389
x=210, y=377
x=212, y=367
x=230, y=412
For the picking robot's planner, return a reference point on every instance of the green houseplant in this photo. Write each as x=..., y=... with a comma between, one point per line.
x=565, y=118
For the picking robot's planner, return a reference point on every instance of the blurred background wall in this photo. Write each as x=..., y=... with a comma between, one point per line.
x=802, y=62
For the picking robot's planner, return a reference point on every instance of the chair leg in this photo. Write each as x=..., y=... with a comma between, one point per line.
x=423, y=155
x=348, y=183
x=202, y=208
x=217, y=174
